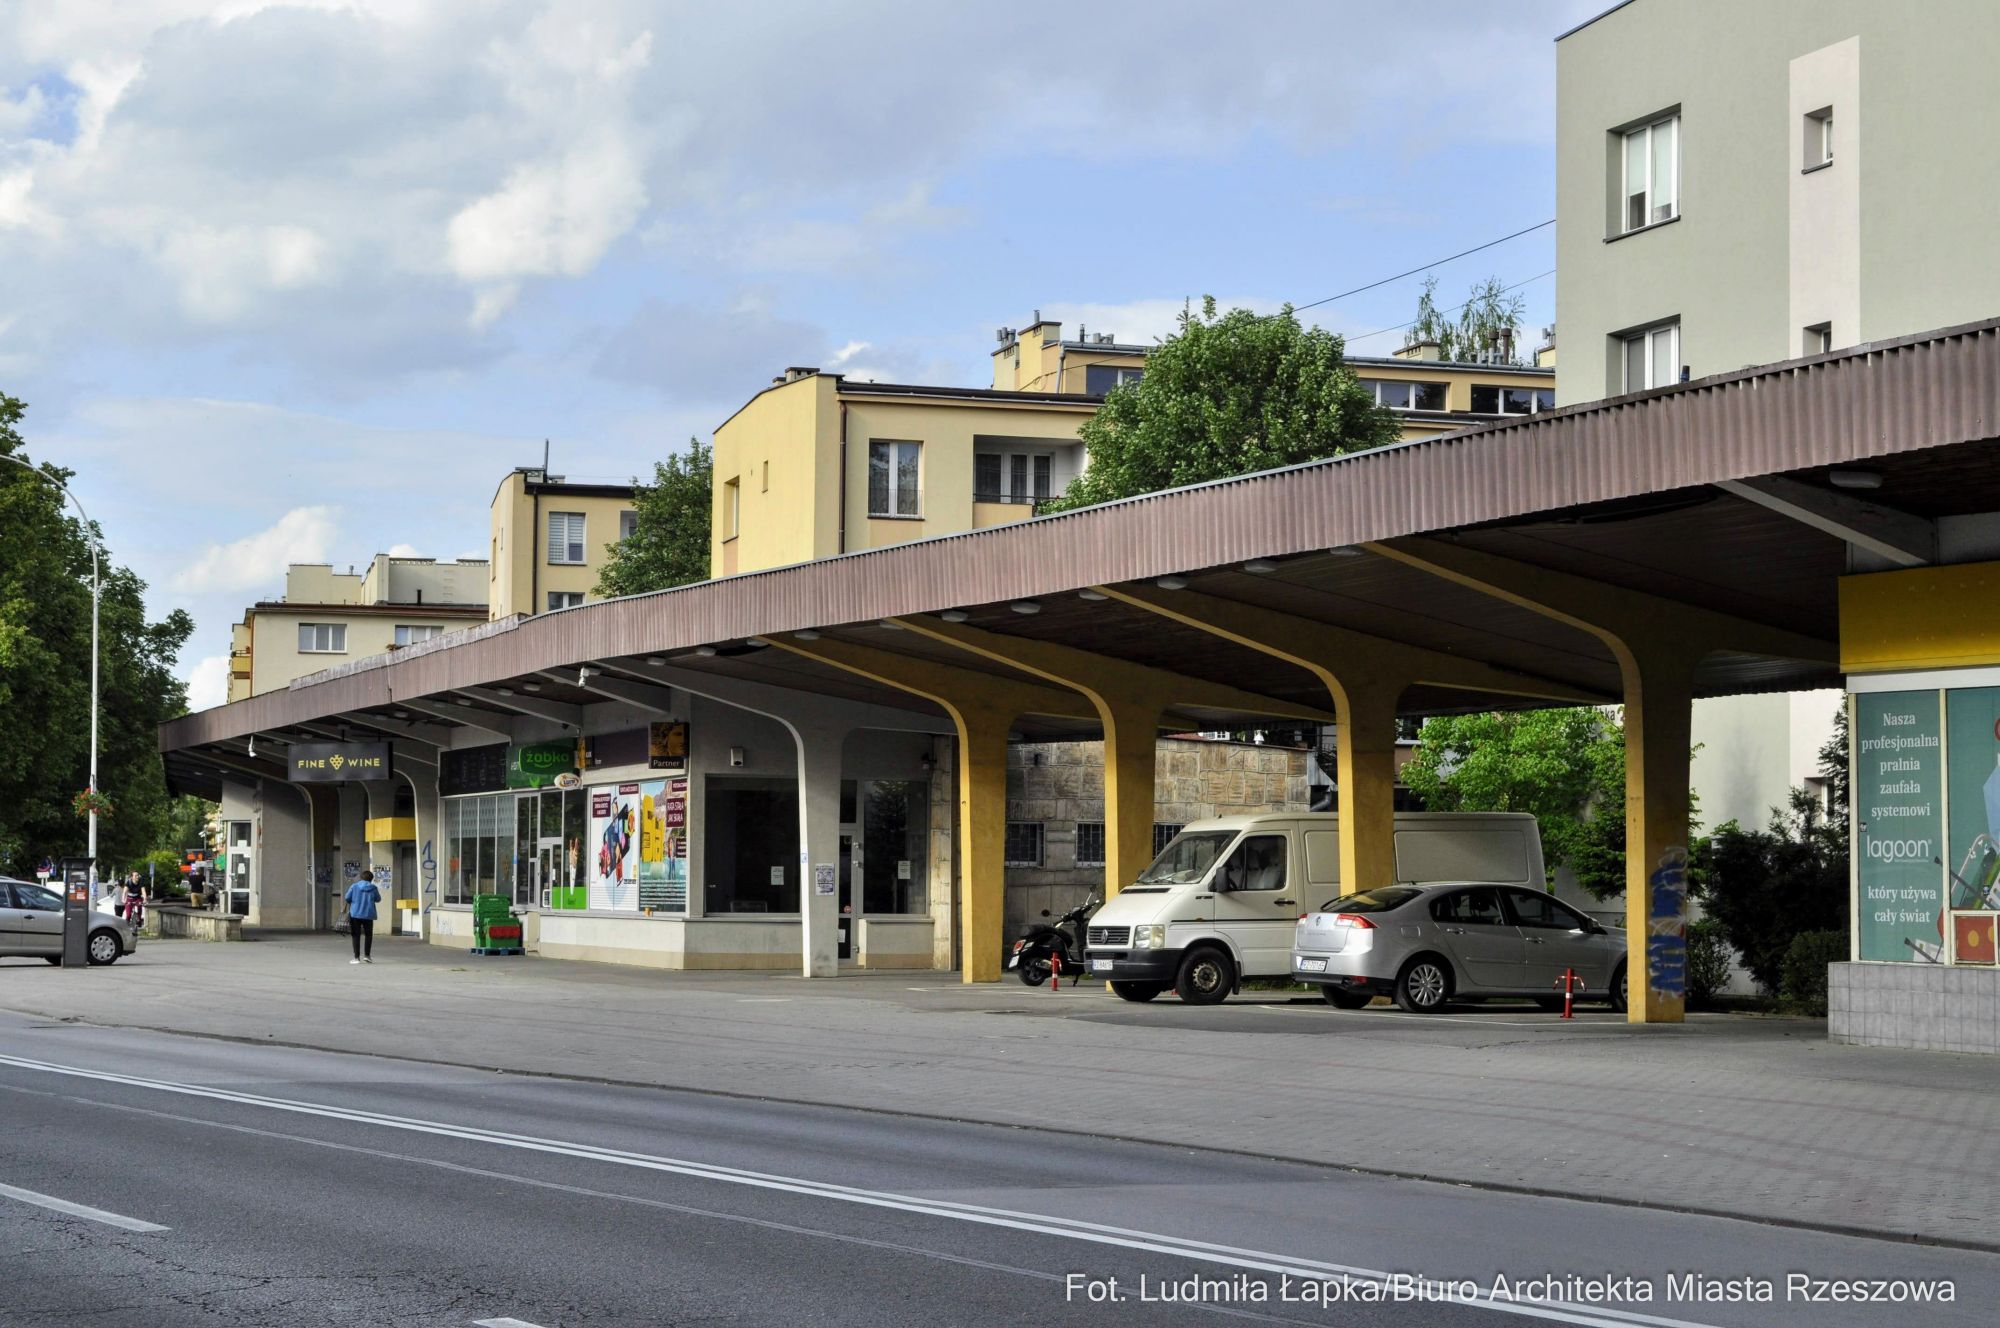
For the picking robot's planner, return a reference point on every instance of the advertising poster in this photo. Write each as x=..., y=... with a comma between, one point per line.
x=667, y=746
x=663, y=843
x=1899, y=826
x=614, y=845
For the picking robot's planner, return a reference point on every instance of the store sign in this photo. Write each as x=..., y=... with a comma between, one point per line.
x=1899, y=836
x=536, y=764
x=667, y=746
x=335, y=762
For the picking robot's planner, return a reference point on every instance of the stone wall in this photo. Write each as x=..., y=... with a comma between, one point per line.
x=1059, y=784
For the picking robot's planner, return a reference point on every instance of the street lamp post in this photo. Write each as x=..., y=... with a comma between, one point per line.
x=96, y=588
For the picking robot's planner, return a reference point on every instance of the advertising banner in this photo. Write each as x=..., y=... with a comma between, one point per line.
x=1899, y=831
x=663, y=845
x=667, y=746
x=335, y=762
x=614, y=839
x=536, y=764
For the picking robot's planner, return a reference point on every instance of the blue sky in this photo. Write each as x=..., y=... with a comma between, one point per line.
x=301, y=281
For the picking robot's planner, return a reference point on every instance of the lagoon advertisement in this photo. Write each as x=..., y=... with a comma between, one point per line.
x=1899, y=833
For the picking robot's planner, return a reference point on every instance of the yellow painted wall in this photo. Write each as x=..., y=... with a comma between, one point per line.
x=1922, y=618
x=520, y=571
x=777, y=448
x=276, y=659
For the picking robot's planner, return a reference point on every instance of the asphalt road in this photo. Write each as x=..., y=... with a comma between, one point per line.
x=239, y=1184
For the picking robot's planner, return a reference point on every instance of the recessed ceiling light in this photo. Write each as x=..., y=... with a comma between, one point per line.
x=1260, y=565
x=402, y=714
x=1854, y=479
x=807, y=635
x=757, y=641
x=1091, y=595
x=531, y=687
x=654, y=661
x=1027, y=608
x=504, y=691
x=706, y=652
x=461, y=700
x=889, y=624
x=1344, y=551
x=954, y=615
x=1171, y=582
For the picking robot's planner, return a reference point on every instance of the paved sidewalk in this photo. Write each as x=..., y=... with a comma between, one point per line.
x=1732, y=1114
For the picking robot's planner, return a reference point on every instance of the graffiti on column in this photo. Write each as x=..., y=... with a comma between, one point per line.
x=429, y=873
x=1666, y=926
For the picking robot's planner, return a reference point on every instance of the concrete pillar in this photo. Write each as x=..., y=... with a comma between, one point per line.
x=1366, y=767
x=418, y=770
x=982, y=841
x=944, y=833
x=282, y=896
x=819, y=847
x=1659, y=695
x=323, y=803
x=1130, y=733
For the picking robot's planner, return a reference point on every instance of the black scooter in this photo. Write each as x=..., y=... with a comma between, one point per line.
x=1035, y=954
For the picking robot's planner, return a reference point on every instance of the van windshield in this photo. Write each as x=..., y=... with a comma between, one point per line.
x=1188, y=858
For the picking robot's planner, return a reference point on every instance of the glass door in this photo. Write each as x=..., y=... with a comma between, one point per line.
x=560, y=857
x=527, y=821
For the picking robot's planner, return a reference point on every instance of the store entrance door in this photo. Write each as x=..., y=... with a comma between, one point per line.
x=848, y=921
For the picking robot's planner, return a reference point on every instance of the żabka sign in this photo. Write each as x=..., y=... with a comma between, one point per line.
x=336, y=762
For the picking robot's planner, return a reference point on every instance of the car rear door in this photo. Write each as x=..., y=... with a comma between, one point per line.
x=1557, y=937
x=1485, y=948
x=34, y=922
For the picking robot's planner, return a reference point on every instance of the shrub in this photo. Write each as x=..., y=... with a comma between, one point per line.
x=1804, y=980
x=1709, y=961
x=1766, y=887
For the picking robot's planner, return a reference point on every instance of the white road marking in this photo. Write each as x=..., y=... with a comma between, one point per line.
x=1044, y=1224
x=85, y=1211
x=503, y=1322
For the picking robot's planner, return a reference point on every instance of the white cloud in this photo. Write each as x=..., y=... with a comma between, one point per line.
x=302, y=535
x=208, y=682
x=409, y=551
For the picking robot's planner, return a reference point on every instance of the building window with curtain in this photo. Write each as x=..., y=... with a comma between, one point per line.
x=322, y=638
x=1652, y=169
x=566, y=538
x=894, y=469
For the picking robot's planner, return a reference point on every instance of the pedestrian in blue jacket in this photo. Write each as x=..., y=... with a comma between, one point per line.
x=362, y=897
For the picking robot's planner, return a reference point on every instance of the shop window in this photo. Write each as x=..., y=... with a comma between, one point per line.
x=1090, y=843
x=1024, y=844
x=480, y=834
x=750, y=846
x=895, y=829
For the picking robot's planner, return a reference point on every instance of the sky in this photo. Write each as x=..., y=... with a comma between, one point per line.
x=300, y=282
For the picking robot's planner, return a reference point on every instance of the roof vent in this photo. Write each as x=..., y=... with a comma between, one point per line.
x=1003, y=335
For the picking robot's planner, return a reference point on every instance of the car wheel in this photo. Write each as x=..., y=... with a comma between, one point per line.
x=1423, y=985
x=103, y=947
x=1138, y=991
x=1034, y=969
x=1618, y=993
x=1346, y=1000
x=1206, y=977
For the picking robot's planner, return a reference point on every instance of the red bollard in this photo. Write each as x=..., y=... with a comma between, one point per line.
x=1055, y=970
x=1570, y=984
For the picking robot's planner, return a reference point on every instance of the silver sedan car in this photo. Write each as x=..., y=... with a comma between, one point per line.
x=31, y=923
x=1424, y=945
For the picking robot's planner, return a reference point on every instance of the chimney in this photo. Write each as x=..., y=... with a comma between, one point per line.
x=1421, y=350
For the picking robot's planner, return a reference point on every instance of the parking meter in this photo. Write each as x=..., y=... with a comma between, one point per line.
x=76, y=911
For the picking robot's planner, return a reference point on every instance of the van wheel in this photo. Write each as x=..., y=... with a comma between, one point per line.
x=1423, y=985
x=1138, y=991
x=1618, y=992
x=1206, y=977
x=1346, y=1000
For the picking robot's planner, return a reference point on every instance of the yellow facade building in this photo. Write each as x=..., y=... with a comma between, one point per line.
x=551, y=539
x=329, y=617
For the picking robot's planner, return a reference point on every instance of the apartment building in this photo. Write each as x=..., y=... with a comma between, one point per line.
x=1744, y=183
x=550, y=539
x=326, y=617
x=1430, y=395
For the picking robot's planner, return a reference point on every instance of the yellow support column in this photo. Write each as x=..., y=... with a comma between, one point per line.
x=1129, y=701
x=1658, y=643
x=1366, y=677
x=982, y=709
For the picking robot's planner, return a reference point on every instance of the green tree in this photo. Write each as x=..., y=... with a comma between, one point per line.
x=1227, y=395
x=669, y=545
x=45, y=678
x=1489, y=322
x=1565, y=766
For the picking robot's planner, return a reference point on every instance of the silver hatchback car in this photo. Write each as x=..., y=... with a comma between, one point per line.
x=31, y=923
x=1425, y=944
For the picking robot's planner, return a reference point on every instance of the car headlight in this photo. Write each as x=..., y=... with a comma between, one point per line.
x=1151, y=937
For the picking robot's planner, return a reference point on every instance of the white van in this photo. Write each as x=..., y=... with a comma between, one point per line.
x=1220, y=902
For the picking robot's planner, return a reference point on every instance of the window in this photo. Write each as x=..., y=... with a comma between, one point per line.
x=1652, y=358
x=1258, y=864
x=1090, y=843
x=1540, y=909
x=1163, y=835
x=1652, y=174
x=1011, y=477
x=35, y=899
x=565, y=537
x=892, y=479
x=1101, y=378
x=479, y=833
x=1817, y=339
x=564, y=599
x=1399, y=395
x=764, y=476
x=987, y=467
x=1819, y=138
x=1024, y=844
x=1488, y=399
x=408, y=634
x=732, y=508
x=322, y=638
x=1469, y=908
x=628, y=525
